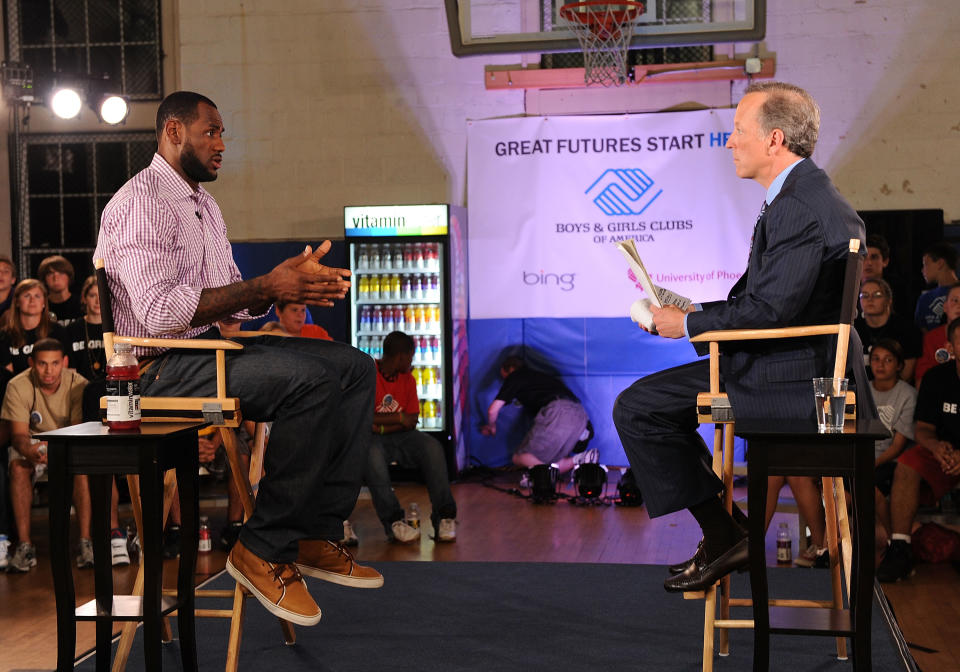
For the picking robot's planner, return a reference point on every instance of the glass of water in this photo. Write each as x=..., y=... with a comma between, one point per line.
x=830, y=397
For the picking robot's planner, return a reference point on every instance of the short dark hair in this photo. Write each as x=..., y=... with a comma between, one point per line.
x=281, y=304
x=511, y=363
x=879, y=242
x=55, y=262
x=49, y=345
x=397, y=342
x=952, y=327
x=4, y=259
x=182, y=106
x=891, y=346
x=943, y=250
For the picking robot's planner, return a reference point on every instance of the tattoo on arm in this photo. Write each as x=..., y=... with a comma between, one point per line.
x=217, y=303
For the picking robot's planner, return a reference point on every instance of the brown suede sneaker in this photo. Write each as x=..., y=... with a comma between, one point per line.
x=330, y=561
x=279, y=587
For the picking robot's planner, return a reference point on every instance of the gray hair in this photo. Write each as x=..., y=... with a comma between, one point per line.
x=793, y=111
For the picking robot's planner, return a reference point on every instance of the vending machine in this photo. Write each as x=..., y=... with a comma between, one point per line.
x=409, y=266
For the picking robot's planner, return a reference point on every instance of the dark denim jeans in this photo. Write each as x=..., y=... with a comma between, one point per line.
x=415, y=450
x=319, y=395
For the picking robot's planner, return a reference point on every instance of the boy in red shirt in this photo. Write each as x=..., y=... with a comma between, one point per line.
x=395, y=439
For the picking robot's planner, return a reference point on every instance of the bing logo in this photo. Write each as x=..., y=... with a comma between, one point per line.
x=541, y=279
x=623, y=191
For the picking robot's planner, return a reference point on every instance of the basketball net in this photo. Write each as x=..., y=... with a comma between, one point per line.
x=604, y=30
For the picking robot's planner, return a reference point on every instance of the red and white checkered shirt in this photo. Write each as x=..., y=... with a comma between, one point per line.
x=162, y=243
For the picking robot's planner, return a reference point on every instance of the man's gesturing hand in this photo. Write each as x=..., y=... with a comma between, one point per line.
x=303, y=279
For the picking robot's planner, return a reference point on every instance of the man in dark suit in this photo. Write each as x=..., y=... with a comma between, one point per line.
x=794, y=276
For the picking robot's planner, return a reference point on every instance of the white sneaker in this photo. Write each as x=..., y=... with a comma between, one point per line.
x=404, y=532
x=4, y=552
x=119, y=555
x=24, y=559
x=591, y=456
x=349, y=536
x=85, y=557
x=447, y=530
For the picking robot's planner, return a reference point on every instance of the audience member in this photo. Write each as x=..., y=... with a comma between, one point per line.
x=56, y=273
x=876, y=266
x=560, y=420
x=939, y=267
x=45, y=397
x=8, y=278
x=85, y=335
x=878, y=322
x=27, y=321
x=397, y=441
x=896, y=402
x=928, y=470
x=292, y=321
x=807, y=495
x=935, y=341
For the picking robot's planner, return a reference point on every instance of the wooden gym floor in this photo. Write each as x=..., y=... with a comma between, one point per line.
x=494, y=526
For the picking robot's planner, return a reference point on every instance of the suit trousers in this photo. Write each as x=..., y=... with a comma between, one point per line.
x=319, y=396
x=656, y=418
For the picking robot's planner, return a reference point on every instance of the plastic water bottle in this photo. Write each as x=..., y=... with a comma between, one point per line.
x=123, y=389
x=413, y=515
x=784, y=545
x=204, y=545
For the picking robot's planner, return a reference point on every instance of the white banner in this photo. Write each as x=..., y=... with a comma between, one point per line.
x=549, y=196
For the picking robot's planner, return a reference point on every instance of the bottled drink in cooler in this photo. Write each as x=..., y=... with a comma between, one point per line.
x=386, y=257
x=399, y=321
x=365, y=318
x=421, y=314
x=395, y=287
x=418, y=260
x=435, y=287
x=408, y=255
x=406, y=288
x=376, y=320
x=389, y=321
x=398, y=256
x=363, y=260
x=373, y=293
x=432, y=256
x=438, y=415
x=429, y=410
x=434, y=349
x=418, y=377
x=374, y=257
x=433, y=318
x=422, y=352
x=416, y=286
x=376, y=347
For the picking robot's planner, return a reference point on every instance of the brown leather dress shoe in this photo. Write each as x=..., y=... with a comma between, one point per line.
x=279, y=587
x=330, y=561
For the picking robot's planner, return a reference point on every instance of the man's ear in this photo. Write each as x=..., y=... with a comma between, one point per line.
x=66, y=360
x=173, y=131
x=30, y=361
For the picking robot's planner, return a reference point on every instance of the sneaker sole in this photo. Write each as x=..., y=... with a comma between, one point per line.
x=120, y=562
x=341, y=579
x=13, y=569
x=276, y=610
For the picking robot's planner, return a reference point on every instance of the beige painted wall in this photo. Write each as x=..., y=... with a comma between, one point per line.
x=359, y=101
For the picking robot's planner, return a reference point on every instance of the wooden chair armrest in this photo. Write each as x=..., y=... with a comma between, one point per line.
x=761, y=334
x=185, y=343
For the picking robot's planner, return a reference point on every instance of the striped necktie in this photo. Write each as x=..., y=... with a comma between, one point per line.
x=756, y=229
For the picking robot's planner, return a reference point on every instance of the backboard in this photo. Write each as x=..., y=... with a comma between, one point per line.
x=518, y=26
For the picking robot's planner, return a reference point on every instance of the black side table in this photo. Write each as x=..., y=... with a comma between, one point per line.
x=92, y=449
x=797, y=449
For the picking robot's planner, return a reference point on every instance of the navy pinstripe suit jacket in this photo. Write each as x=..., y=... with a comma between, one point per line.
x=794, y=277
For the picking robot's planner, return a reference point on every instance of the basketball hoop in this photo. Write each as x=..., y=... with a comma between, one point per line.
x=604, y=30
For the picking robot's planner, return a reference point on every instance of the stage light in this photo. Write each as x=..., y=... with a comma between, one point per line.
x=544, y=483
x=630, y=494
x=590, y=479
x=66, y=103
x=113, y=109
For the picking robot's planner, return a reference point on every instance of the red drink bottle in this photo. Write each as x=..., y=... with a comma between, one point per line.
x=123, y=389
